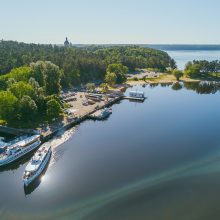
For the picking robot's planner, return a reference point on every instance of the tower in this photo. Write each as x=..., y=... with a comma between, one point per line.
x=66, y=43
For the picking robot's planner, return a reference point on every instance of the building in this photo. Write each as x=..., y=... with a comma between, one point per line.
x=66, y=43
x=136, y=94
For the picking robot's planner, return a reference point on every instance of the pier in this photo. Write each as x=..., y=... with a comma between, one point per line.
x=78, y=120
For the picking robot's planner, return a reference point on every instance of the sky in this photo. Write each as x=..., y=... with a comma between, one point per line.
x=111, y=21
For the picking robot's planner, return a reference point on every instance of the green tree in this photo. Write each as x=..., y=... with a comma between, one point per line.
x=37, y=72
x=90, y=87
x=28, y=107
x=104, y=87
x=53, y=109
x=11, y=81
x=178, y=74
x=192, y=69
x=119, y=70
x=110, y=78
x=48, y=76
x=20, y=89
x=20, y=74
x=52, y=78
x=8, y=105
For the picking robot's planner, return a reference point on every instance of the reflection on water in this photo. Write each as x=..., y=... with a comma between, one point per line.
x=203, y=87
x=154, y=160
x=177, y=86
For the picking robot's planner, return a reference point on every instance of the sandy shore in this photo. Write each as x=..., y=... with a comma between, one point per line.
x=163, y=78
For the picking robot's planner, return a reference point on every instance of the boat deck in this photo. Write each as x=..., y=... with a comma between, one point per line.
x=98, y=115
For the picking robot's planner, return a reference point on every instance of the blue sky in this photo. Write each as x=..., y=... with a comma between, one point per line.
x=111, y=21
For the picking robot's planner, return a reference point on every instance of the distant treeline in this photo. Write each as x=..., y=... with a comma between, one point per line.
x=168, y=47
x=81, y=65
x=165, y=47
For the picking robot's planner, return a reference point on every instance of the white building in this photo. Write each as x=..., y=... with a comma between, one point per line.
x=136, y=94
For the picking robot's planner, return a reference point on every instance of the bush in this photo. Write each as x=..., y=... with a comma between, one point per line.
x=3, y=123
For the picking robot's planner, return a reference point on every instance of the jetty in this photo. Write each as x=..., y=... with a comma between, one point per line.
x=77, y=120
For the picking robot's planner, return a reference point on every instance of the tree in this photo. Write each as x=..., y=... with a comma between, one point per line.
x=53, y=109
x=110, y=78
x=20, y=89
x=192, y=69
x=52, y=78
x=104, y=87
x=173, y=64
x=10, y=81
x=8, y=105
x=28, y=107
x=119, y=70
x=178, y=74
x=90, y=87
x=20, y=74
x=48, y=76
x=37, y=72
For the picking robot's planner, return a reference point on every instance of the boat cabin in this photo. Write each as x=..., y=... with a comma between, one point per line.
x=136, y=94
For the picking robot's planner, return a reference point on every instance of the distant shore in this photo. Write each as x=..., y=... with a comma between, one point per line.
x=143, y=76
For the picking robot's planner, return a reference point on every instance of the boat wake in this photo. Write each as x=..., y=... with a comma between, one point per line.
x=57, y=141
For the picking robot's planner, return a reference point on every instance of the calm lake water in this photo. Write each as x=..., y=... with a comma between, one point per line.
x=182, y=57
x=155, y=160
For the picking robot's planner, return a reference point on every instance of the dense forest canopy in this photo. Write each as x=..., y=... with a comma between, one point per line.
x=81, y=65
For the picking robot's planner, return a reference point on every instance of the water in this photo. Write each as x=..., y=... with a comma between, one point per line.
x=182, y=57
x=154, y=160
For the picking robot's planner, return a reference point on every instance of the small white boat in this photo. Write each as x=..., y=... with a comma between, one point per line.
x=37, y=164
x=101, y=114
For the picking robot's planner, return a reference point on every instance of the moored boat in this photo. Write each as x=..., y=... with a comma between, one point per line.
x=37, y=164
x=15, y=151
x=101, y=114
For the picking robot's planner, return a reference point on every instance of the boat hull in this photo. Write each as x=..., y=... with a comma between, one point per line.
x=17, y=157
x=44, y=164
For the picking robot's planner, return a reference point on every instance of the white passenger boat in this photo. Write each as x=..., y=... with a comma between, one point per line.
x=37, y=164
x=19, y=149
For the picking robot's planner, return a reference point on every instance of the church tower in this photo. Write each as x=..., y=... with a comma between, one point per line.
x=66, y=43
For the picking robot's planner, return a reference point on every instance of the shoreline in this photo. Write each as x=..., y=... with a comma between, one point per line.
x=79, y=115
